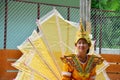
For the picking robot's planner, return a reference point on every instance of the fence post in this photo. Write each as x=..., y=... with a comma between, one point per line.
x=100, y=36
x=85, y=7
x=38, y=13
x=5, y=23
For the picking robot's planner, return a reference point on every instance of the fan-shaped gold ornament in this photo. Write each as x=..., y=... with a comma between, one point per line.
x=42, y=51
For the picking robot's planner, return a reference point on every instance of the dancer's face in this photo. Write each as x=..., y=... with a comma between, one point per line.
x=82, y=46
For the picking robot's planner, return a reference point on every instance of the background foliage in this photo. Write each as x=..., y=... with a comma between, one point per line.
x=113, y=5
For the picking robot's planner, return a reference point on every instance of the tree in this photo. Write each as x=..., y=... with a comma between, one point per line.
x=113, y=5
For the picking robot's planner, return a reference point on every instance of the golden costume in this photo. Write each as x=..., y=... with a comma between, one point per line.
x=42, y=51
x=74, y=69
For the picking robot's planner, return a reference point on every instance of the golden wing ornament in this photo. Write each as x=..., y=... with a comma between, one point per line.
x=42, y=50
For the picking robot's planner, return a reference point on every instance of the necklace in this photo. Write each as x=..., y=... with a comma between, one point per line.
x=83, y=60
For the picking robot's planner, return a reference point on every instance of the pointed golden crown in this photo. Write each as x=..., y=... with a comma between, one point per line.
x=81, y=33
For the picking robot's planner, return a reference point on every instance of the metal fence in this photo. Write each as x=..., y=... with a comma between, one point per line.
x=17, y=21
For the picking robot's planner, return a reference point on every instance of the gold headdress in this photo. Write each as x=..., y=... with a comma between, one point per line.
x=81, y=33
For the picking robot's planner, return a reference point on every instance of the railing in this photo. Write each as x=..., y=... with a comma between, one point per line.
x=7, y=72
